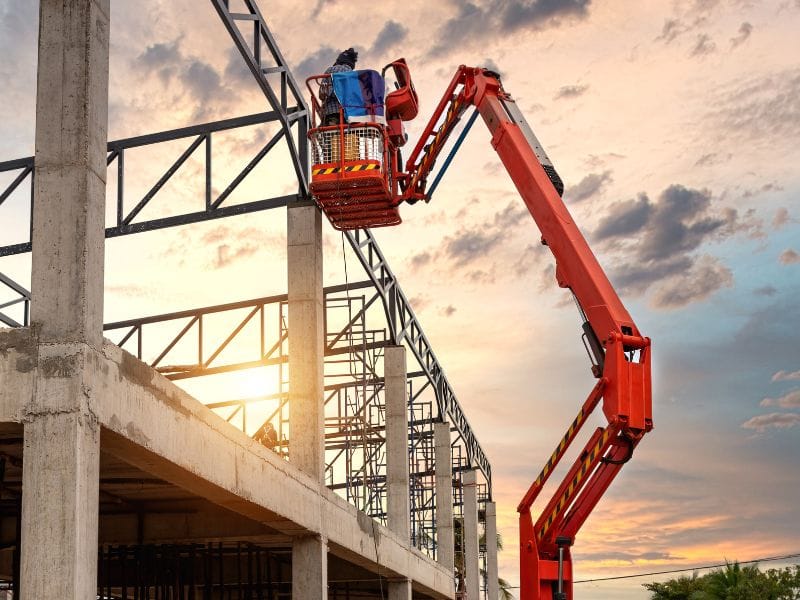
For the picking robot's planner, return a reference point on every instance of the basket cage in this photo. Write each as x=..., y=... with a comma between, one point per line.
x=347, y=143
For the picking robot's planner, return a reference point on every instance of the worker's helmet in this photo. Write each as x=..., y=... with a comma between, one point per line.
x=347, y=57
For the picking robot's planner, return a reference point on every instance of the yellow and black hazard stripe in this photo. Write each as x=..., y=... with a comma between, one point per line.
x=562, y=446
x=348, y=169
x=565, y=498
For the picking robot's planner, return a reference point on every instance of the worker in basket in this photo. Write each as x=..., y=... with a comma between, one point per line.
x=331, y=108
x=351, y=97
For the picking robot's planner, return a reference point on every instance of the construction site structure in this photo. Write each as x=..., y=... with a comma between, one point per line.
x=360, y=477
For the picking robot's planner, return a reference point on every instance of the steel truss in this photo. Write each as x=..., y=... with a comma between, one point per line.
x=213, y=207
x=20, y=296
x=272, y=73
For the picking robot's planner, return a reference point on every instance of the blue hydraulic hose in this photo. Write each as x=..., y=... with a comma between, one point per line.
x=453, y=151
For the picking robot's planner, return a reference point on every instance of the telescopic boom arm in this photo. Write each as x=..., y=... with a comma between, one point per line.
x=620, y=354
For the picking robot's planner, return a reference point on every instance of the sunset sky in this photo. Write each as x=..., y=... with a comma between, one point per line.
x=675, y=126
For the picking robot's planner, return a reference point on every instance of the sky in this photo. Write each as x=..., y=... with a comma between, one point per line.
x=674, y=125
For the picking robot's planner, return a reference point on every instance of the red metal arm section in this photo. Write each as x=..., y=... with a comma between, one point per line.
x=621, y=353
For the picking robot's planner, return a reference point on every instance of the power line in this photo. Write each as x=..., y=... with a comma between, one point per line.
x=741, y=562
x=687, y=569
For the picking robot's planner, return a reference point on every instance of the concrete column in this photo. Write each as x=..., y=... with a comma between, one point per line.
x=306, y=383
x=394, y=374
x=470, y=533
x=399, y=589
x=445, y=542
x=492, y=586
x=62, y=434
x=310, y=568
x=70, y=163
x=306, y=340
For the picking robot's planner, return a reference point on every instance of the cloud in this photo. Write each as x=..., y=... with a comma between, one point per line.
x=226, y=245
x=202, y=80
x=761, y=423
x=790, y=399
x=163, y=58
x=128, y=290
x=524, y=14
x=781, y=218
x=470, y=245
x=637, y=277
x=764, y=108
x=421, y=259
x=672, y=28
x=678, y=221
x=512, y=215
x=228, y=254
x=629, y=557
x=703, y=45
x=496, y=18
x=418, y=303
x=473, y=243
x=570, y=91
x=789, y=257
x=236, y=71
x=712, y=158
x=392, y=34
x=624, y=218
x=488, y=63
x=315, y=63
x=766, y=290
x=176, y=71
x=786, y=376
x=745, y=29
x=321, y=4
x=657, y=242
x=707, y=276
x=448, y=311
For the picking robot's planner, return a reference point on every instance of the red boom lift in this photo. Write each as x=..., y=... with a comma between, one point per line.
x=359, y=180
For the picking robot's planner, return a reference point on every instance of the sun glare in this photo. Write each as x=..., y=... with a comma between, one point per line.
x=257, y=382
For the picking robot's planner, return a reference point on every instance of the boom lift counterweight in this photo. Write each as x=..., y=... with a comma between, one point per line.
x=359, y=180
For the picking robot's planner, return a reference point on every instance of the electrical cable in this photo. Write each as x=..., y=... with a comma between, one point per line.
x=717, y=566
x=686, y=570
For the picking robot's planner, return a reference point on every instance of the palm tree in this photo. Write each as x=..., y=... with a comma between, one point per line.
x=505, y=587
x=731, y=582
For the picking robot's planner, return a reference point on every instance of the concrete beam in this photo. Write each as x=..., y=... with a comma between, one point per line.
x=492, y=584
x=397, y=490
x=155, y=426
x=445, y=539
x=470, y=533
x=200, y=522
x=306, y=340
